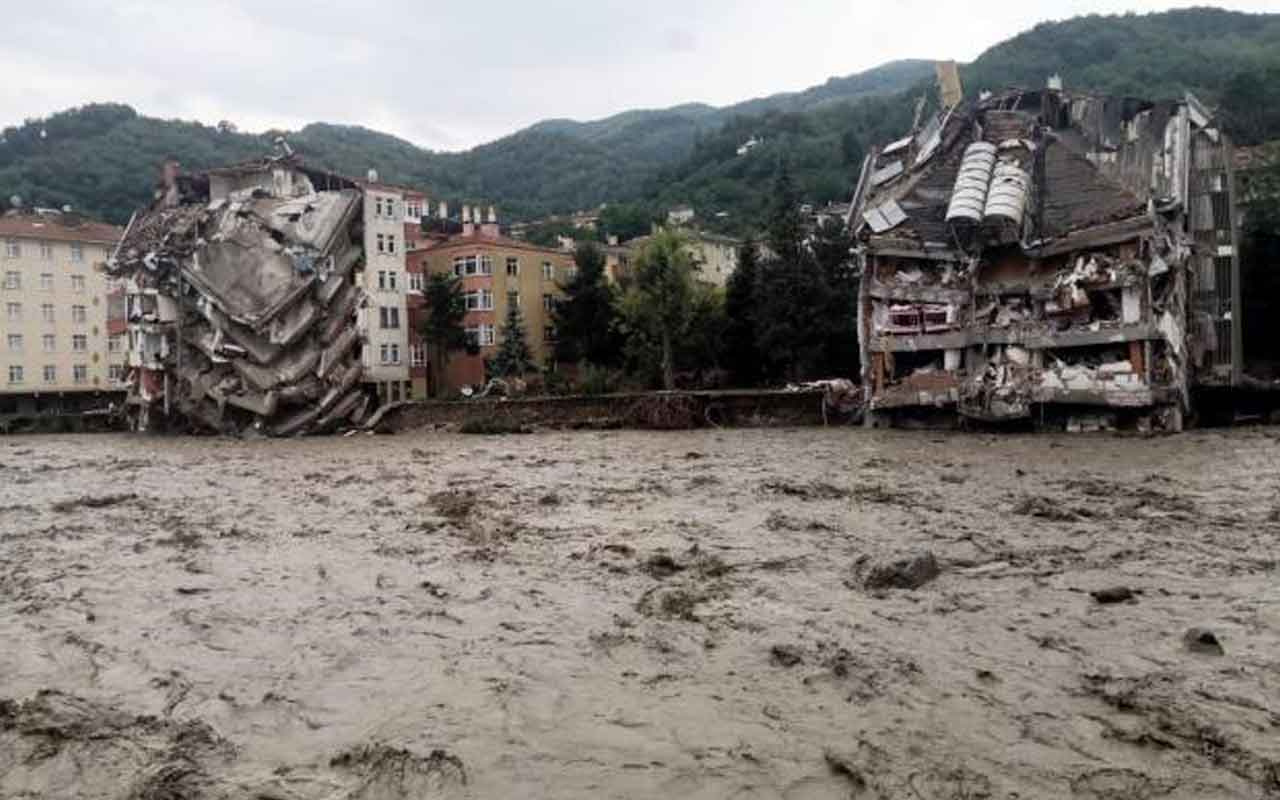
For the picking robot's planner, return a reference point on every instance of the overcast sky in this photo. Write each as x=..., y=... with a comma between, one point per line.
x=454, y=74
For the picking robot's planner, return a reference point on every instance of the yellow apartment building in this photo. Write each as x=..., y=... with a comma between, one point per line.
x=56, y=352
x=496, y=271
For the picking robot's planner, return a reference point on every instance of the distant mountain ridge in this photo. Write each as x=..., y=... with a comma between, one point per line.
x=102, y=158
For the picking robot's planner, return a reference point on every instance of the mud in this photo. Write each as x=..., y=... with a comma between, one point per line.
x=618, y=614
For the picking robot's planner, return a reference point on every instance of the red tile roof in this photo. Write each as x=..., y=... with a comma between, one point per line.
x=479, y=240
x=54, y=229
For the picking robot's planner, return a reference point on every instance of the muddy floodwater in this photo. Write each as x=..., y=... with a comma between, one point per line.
x=721, y=614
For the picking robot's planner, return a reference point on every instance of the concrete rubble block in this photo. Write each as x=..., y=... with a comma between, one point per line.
x=252, y=267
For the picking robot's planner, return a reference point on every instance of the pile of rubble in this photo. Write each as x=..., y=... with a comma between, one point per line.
x=242, y=310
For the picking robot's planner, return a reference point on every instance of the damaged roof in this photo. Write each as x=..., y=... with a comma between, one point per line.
x=1071, y=163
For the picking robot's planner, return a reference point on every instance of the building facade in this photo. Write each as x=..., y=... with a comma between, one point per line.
x=714, y=256
x=496, y=271
x=59, y=353
x=390, y=215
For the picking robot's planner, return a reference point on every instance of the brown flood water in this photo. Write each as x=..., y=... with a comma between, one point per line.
x=627, y=614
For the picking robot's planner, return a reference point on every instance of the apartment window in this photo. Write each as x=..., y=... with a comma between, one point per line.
x=389, y=317
x=480, y=300
x=79, y=314
x=415, y=282
x=13, y=312
x=418, y=355
x=570, y=273
x=487, y=336
x=46, y=251
x=47, y=313
x=50, y=373
x=382, y=243
x=46, y=281
x=115, y=373
x=377, y=204
x=382, y=280
x=77, y=253
x=389, y=353
x=548, y=271
x=77, y=283
x=473, y=335
x=15, y=343
x=513, y=266
x=15, y=374
x=393, y=281
x=548, y=302
x=391, y=208
x=486, y=265
x=79, y=374
x=80, y=343
x=13, y=280
x=49, y=343
x=391, y=243
x=513, y=299
x=466, y=265
x=12, y=248
x=114, y=344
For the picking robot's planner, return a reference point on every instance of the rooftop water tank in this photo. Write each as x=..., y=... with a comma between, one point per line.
x=1007, y=197
x=970, y=194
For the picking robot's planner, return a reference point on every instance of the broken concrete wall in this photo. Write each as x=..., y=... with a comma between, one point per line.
x=242, y=308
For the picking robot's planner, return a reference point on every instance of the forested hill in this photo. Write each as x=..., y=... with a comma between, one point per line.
x=102, y=159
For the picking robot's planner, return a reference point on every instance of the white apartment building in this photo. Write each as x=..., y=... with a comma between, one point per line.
x=385, y=319
x=56, y=351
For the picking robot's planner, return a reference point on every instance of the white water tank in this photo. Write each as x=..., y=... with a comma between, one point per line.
x=970, y=194
x=1007, y=197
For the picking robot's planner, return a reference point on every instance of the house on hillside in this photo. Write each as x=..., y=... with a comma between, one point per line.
x=1052, y=256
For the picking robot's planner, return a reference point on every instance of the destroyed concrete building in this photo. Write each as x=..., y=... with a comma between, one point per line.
x=242, y=308
x=1056, y=257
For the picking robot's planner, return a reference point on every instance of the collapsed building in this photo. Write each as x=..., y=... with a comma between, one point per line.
x=241, y=305
x=1057, y=257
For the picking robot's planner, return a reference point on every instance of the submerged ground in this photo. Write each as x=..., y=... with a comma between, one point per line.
x=680, y=615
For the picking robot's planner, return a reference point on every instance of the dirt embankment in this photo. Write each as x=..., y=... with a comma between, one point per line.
x=763, y=613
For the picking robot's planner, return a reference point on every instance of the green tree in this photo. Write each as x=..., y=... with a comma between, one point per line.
x=785, y=226
x=831, y=247
x=742, y=354
x=658, y=307
x=441, y=326
x=513, y=358
x=625, y=220
x=585, y=319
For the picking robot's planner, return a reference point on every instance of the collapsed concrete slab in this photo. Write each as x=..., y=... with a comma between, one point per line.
x=241, y=309
x=1049, y=256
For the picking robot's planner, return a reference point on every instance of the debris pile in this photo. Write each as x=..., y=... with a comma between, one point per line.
x=242, y=309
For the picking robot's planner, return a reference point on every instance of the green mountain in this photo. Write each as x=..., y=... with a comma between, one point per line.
x=102, y=158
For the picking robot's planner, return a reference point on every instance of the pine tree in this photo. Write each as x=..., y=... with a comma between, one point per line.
x=441, y=326
x=585, y=319
x=742, y=298
x=513, y=358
